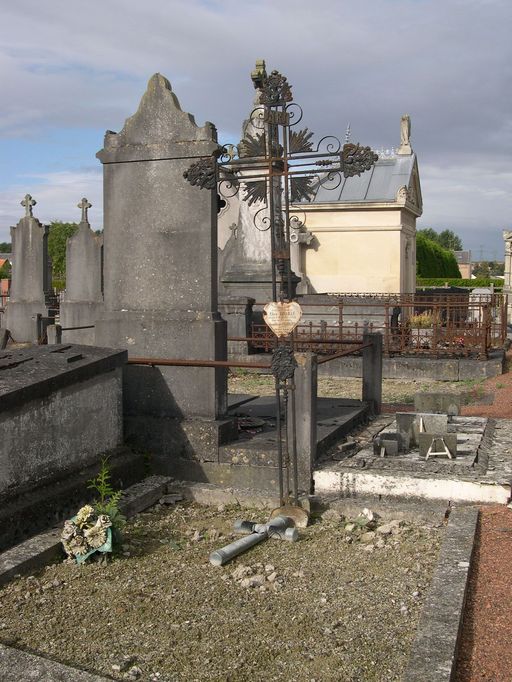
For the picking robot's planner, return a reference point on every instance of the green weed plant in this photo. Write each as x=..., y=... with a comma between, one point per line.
x=108, y=499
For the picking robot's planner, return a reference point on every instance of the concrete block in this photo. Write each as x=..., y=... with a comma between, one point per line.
x=168, y=438
x=4, y=337
x=444, y=403
x=405, y=424
x=16, y=665
x=372, y=372
x=432, y=423
x=392, y=442
x=305, y=417
x=425, y=440
x=470, y=368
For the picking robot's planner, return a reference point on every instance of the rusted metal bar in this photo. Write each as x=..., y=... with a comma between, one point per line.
x=341, y=354
x=298, y=340
x=71, y=329
x=175, y=362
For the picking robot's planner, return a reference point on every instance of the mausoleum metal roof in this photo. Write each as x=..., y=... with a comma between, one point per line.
x=381, y=183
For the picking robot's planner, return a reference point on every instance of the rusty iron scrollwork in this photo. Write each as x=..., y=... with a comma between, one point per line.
x=203, y=173
x=283, y=363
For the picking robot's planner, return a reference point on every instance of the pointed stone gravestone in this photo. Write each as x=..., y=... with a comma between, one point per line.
x=31, y=276
x=160, y=279
x=83, y=299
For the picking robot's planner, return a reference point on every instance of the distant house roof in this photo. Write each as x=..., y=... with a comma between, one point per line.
x=463, y=257
x=3, y=261
x=380, y=184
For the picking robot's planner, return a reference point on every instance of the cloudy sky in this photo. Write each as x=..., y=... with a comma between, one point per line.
x=69, y=70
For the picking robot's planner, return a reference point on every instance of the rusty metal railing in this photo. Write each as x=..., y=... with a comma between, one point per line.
x=414, y=324
x=180, y=362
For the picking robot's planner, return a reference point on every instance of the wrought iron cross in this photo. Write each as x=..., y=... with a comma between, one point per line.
x=85, y=206
x=279, y=167
x=28, y=203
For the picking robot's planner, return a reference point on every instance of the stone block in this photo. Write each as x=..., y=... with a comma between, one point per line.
x=169, y=439
x=482, y=369
x=391, y=442
x=50, y=501
x=372, y=372
x=443, y=403
x=21, y=320
x=425, y=441
x=175, y=392
x=79, y=314
x=306, y=381
x=60, y=408
x=405, y=426
x=432, y=423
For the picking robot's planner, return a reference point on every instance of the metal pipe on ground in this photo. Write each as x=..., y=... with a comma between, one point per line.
x=280, y=527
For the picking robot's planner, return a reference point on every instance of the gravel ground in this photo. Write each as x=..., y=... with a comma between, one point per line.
x=337, y=605
x=393, y=390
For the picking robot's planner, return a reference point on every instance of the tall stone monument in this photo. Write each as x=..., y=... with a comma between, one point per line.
x=160, y=279
x=507, y=284
x=83, y=299
x=31, y=276
x=246, y=265
x=245, y=261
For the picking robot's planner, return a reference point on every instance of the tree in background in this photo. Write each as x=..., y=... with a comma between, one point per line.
x=57, y=238
x=429, y=233
x=5, y=271
x=432, y=260
x=488, y=268
x=5, y=247
x=447, y=238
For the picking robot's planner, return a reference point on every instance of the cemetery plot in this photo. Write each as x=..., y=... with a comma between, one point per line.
x=342, y=603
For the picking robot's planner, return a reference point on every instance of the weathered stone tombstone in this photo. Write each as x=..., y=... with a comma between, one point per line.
x=411, y=424
x=443, y=403
x=83, y=298
x=245, y=262
x=160, y=279
x=31, y=276
x=507, y=283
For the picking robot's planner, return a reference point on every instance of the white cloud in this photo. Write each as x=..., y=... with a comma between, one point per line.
x=66, y=64
x=57, y=196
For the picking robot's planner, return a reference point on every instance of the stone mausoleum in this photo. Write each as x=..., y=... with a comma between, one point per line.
x=364, y=231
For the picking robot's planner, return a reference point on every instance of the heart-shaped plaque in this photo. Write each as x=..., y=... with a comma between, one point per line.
x=282, y=318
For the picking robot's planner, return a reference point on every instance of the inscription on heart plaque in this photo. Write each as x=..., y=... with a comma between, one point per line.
x=282, y=318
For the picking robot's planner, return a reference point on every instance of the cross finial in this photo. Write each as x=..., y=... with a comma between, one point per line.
x=259, y=73
x=28, y=202
x=85, y=206
x=347, y=134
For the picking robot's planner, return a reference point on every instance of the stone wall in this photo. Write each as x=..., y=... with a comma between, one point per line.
x=60, y=413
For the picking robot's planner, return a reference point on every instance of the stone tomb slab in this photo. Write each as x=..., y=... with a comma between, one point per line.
x=443, y=403
x=437, y=443
x=481, y=471
x=408, y=426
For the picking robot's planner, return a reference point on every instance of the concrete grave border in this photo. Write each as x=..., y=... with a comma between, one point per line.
x=435, y=647
x=15, y=664
x=434, y=651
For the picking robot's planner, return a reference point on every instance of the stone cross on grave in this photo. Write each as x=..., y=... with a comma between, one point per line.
x=85, y=206
x=28, y=203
